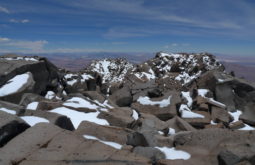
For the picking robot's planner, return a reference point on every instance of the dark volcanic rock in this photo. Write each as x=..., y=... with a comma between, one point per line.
x=136, y=139
x=122, y=97
x=228, y=158
x=220, y=115
x=10, y=126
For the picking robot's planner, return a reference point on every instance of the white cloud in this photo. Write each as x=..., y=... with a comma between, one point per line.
x=4, y=10
x=22, y=45
x=175, y=45
x=19, y=21
x=25, y=21
x=3, y=39
x=31, y=45
x=168, y=13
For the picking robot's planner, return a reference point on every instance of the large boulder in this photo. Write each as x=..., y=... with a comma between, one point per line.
x=28, y=142
x=46, y=143
x=14, y=88
x=94, y=95
x=45, y=74
x=121, y=117
x=224, y=94
x=106, y=133
x=163, y=107
x=149, y=152
x=122, y=97
x=212, y=142
x=10, y=126
x=248, y=115
x=220, y=115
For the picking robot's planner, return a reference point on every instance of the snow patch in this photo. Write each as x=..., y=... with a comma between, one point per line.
x=14, y=84
x=20, y=58
x=77, y=117
x=72, y=82
x=135, y=115
x=171, y=131
x=33, y=120
x=185, y=78
x=187, y=113
x=146, y=101
x=109, y=143
x=8, y=111
x=202, y=92
x=187, y=96
x=173, y=154
x=148, y=76
x=235, y=115
x=111, y=70
x=32, y=106
x=246, y=128
x=50, y=95
x=77, y=102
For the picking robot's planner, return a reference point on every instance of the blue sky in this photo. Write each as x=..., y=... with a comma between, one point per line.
x=76, y=26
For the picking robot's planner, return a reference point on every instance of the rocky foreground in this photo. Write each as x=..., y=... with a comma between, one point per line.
x=173, y=109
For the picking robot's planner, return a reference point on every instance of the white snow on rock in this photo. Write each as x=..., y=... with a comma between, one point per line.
x=33, y=120
x=202, y=92
x=146, y=101
x=77, y=102
x=77, y=117
x=71, y=82
x=20, y=58
x=109, y=143
x=185, y=78
x=50, y=95
x=216, y=102
x=187, y=96
x=187, y=113
x=148, y=76
x=173, y=154
x=86, y=77
x=72, y=78
x=221, y=80
x=236, y=116
x=14, y=84
x=186, y=64
x=213, y=123
x=8, y=111
x=70, y=75
x=171, y=131
x=135, y=115
x=33, y=105
x=246, y=128
x=111, y=70
x=104, y=106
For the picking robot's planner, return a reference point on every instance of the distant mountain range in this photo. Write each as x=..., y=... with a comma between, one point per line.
x=243, y=66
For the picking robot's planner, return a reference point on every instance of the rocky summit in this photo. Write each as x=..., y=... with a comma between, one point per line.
x=174, y=109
